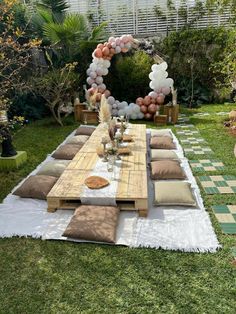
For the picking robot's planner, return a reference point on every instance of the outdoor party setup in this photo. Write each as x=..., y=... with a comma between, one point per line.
x=146, y=106
x=115, y=182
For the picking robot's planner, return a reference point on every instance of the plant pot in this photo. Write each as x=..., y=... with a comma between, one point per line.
x=8, y=149
x=90, y=117
x=78, y=111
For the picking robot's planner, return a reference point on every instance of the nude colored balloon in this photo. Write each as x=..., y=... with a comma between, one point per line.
x=144, y=109
x=147, y=100
x=105, y=51
x=98, y=53
x=107, y=93
x=153, y=100
x=152, y=108
x=148, y=116
x=160, y=99
x=98, y=97
x=139, y=101
x=100, y=46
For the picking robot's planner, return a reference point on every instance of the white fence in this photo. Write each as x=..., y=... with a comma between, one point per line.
x=148, y=17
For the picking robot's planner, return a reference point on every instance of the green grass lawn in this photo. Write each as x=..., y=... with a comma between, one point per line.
x=61, y=277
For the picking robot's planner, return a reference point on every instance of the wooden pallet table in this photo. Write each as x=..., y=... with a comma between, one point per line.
x=132, y=191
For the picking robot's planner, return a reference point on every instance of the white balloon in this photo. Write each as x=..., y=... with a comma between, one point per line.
x=163, y=66
x=154, y=67
x=88, y=71
x=111, y=100
x=169, y=82
x=114, y=112
x=140, y=115
x=128, y=45
x=102, y=87
x=115, y=106
x=117, y=41
x=93, y=75
x=90, y=81
x=121, y=112
x=118, y=49
x=136, y=109
x=134, y=116
x=111, y=39
x=94, y=85
x=113, y=45
x=99, y=80
x=99, y=71
x=153, y=94
x=117, y=102
x=128, y=110
x=105, y=72
x=151, y=85
x=93, y=67
x=107, y=63
x=151, y=75
x=124, y=104
x=122, y=45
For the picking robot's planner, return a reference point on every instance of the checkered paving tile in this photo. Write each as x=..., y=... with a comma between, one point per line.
x=198, y=150
x=218, y=184
x=188, y=133
x=201, y=114
x=192, y=141
x=223, y=113
x=206, y=165
x=226, y=215
x=183, y=119
x=185, y=126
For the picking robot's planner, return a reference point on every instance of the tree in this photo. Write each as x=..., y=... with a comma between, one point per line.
x=15, y=53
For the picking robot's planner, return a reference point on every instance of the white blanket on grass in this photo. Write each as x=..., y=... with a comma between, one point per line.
x=184, y=229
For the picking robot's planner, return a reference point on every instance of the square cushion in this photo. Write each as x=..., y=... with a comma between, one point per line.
x=94, y=223
x=36, y=187
x=163, y=132
x=160, y=154
x=78, y=139
x=174, y=193
x=166, y=169
x=85, y=130
x=66, y=151
x=53, y=168
x=162, y=142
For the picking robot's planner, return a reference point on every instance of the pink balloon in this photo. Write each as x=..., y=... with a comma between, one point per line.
x=153, y=94
x=160, y=99
x=99, y=80
x=165, y=90
x=118, y=49
x=90, y=81
x=93, y=75
x=117, y=41
x=107, y=93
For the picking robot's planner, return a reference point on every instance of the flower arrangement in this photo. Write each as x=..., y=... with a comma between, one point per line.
x=11, y=126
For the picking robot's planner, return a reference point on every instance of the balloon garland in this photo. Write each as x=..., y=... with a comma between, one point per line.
x=145, y=107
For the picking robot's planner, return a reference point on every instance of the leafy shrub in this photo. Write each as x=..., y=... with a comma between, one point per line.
x=28, y=106
x=192, y=55
x=128, y=76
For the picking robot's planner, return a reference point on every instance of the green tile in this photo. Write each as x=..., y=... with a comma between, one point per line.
x=229, y=228
x=234, y=215
x=229, y=177
x=198, y=169
x=207, y=164
x=220, y=183
x=211, y=190
x=204, y=178
x=234, y=188
x=221, y=209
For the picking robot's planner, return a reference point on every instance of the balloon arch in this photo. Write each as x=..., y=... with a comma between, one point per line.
x=145, y=107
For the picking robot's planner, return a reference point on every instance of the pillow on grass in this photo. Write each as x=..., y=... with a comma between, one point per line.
x=159, y=133
x=94, y=223
x=36, y=187
x=162, y=142
x=53, y=168
x=166, y=169
x=85, y=130
x=79, y=139
x=160, y=154
x=66, y=151
x=174, y=193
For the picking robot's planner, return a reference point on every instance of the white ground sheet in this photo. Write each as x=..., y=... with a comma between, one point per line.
x=176, y=228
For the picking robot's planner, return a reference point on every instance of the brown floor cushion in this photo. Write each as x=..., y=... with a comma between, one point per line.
x=85, y=130
x=162, y=142
x=160, y=154
x=66, y=151
x=162, y=132
x=53, y=168
x=36, y=187
x=174, y=193
x=167, y=169
x=78, y=139
x=94, y=223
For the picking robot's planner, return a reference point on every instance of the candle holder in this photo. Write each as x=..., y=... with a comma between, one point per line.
x=104, y=143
